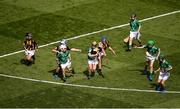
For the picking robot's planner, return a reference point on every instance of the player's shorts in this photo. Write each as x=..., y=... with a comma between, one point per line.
x=101, y=54
x=150, y=58
x=95, y=61
x=29, y=52
x=66, y=65
x=164, y=75
x=135, y=35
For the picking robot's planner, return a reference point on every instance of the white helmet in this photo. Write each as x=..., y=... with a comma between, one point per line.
x=64, y=42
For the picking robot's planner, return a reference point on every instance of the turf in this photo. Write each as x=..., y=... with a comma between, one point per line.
x=51, y=21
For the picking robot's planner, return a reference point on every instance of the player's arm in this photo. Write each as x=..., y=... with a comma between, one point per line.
x=169, y=68
x=24, y=45
x=111, y=49
x=139, y=27
x=36, y=45
x=140, y=46
x=148, y=54
x=157, y=70
x=55, y=50
x=159, y=52
x=75, y=49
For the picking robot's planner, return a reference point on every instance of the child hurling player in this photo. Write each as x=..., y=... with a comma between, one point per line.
x=134, y=32
x=152, y=54
x=164, y=68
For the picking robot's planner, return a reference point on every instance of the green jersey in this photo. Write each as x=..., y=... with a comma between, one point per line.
x=134, y=24
x=152, y=50
x=63, y=57
x=164, y=65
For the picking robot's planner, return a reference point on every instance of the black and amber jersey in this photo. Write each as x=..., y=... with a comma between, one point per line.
x=30, y=44
x=105, y=45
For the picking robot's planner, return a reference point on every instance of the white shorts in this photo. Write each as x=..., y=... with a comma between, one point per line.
x=95, y=62
x=135, y=35
x=66, y=65
x=29, y=52
x=150, y=58
x=101, y=54
x=164, y=75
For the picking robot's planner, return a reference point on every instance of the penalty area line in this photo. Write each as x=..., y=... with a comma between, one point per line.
x=95, y=32
x=86, y=86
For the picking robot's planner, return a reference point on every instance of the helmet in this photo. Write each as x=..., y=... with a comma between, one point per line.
x=94, y=43
x=151, y=43
x=103, y=39
x=28, y=35
x=63, y=41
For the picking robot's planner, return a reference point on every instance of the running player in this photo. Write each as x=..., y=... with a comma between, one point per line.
x=57, y=49
x=134, y=32
x=164, y=68
x=106, y=45
x=30, y=47
x=92, y=59
x=152, y=54
x=64, y=61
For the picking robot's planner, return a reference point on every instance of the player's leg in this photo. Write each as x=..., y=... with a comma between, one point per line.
x=165, y=78
x=138, y=39
x=145, y=67
x=63, y=71
x=69, y=69
x=100, y=67
x=89, y=68
x=126, y=41
x=151, y=66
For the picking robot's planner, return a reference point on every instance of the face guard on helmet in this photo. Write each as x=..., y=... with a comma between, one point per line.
x=28, y=36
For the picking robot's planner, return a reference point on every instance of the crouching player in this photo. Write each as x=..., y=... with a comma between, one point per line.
x=64, y=61
x=30, y=47
x=152, y=54
x=164, y=68
x=92, y=59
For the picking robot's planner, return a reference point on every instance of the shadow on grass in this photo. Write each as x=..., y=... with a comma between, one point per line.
x=25, y=62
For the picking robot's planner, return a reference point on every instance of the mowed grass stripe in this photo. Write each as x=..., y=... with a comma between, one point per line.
x=107, y=29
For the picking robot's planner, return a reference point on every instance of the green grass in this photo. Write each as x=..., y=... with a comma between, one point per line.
x=53, y=20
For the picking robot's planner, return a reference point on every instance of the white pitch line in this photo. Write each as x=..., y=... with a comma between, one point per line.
x=86, y=86
x=95, y=32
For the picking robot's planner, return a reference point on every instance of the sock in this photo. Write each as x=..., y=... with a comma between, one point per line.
x=145, y=69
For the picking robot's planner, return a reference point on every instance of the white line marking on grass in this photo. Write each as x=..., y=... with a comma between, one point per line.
x=95, y=32
x=86, y=86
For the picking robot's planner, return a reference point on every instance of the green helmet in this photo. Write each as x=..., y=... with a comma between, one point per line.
x=151, y=42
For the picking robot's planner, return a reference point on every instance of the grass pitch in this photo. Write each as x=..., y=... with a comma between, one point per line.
x=53, y=20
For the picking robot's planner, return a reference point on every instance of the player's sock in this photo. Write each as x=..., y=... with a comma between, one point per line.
x=151, y=77
x=130, y=47
x=158, y=87
x=145, y=69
